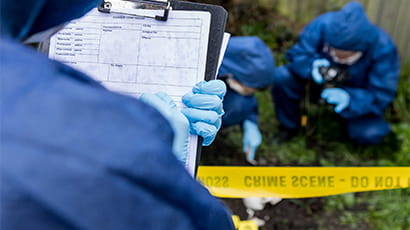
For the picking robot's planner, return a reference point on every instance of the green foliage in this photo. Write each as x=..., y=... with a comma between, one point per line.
x=340, y=202
x=381, y=210
x=320, y=144
x=389, y=209
x=322, y=141
x=401, y=106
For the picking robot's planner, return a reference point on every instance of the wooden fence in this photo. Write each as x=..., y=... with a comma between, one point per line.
x=391, y=15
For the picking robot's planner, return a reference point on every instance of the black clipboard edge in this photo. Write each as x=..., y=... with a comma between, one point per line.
x=219, y=17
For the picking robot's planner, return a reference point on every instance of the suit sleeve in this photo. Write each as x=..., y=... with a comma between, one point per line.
x=308, y=48
x=383, y=78
x=253, y=115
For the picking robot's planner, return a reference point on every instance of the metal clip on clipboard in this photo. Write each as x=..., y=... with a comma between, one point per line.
x=121, y=7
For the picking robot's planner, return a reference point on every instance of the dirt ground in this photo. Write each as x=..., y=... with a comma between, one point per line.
x=289, y=214
x=279, y=33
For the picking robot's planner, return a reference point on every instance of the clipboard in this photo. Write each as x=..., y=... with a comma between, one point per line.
x=217, y=28
x=215, y=37
x=219, y=18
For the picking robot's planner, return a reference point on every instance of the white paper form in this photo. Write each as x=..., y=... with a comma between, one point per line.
x=132, y=55
x=225, y=41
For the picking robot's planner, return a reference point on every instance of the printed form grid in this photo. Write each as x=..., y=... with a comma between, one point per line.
x=132, y=55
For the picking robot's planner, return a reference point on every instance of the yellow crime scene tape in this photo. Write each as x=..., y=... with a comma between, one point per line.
x=299, y=182
x=244, y=224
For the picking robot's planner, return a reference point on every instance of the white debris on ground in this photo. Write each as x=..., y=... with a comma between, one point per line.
x=258, y=221
x=253, y=204
x=272, y=200
x=258, y=203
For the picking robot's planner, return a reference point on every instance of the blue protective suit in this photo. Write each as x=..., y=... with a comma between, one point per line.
x=239, y=108
x=249, y=61
x=374, y=77
x=77, y=156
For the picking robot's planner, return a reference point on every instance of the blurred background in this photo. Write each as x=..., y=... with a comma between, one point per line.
x=278, y=23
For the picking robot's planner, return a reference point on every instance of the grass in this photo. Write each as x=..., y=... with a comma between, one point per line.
x=320, y=145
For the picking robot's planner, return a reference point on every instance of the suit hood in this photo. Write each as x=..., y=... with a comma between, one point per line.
x=23, y=18
x=350, y=29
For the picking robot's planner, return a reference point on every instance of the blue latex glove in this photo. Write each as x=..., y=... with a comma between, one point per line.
x=317, y=77
x=338, y=97
x=179, y=123
x=252, y=138
x=204, y=109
